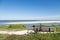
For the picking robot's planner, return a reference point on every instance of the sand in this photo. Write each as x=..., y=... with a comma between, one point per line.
x=16, y=32
x=23, y=32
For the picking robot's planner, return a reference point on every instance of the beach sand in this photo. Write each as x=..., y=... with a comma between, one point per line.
x=23, y=32
x=16, y=32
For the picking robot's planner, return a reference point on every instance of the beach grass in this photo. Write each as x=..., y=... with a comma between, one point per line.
x=38, y=36
x=13, y=27
x=23, y=27
x=49, y=36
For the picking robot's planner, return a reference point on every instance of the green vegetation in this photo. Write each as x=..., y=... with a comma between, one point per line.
x=31, y=37
x=23, y=27
x=48, y=36
x=13, y=27
x=57, y=28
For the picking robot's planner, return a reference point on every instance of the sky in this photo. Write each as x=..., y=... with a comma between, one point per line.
x=29, y=9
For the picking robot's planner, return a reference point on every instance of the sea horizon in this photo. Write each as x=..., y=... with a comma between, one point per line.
x=8, y=22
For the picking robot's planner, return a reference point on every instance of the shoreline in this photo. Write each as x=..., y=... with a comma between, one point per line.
x=31, y=22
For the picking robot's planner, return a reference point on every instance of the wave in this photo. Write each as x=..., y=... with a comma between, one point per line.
x=30, y=22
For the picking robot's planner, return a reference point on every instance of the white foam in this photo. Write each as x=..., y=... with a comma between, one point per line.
x=32, y=22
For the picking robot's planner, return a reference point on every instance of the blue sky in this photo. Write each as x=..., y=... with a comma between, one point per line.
x=29, y=9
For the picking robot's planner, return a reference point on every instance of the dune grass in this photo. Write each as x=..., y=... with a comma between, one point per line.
x=48, y=36
x=23, y=27
x=13, y=27
x=54, y=36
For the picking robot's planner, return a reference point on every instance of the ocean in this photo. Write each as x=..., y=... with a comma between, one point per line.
x=29, y=25
x=6, y=21
x=3, y=21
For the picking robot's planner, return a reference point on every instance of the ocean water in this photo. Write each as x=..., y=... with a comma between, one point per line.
x=28, y=25
x=6, y=21
x=3, y=21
